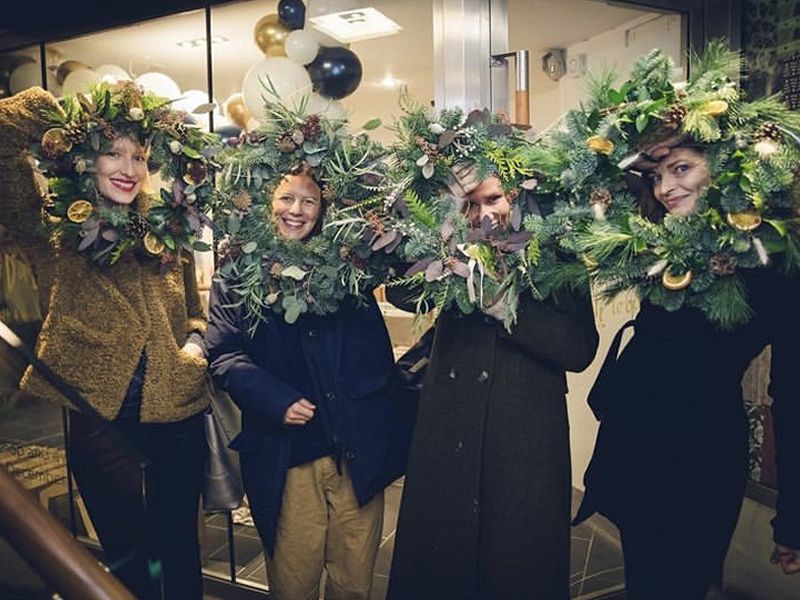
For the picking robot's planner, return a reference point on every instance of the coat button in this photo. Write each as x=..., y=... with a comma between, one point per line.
x=312, y=333
x=483, y=377
x=349, y=454
x=452, y=373
x=330, y=396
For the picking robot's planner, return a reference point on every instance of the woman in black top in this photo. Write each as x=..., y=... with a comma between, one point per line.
x=670, y=461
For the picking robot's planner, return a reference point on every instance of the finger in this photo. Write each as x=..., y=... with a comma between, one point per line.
x=299, y=411
x=290, y=421
x=305, y=403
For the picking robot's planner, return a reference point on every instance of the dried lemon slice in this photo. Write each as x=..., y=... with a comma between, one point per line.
x=675, y=282
x=744, y=221
x=79, y=211
x=152, y=244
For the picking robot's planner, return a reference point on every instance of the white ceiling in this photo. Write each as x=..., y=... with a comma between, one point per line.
x=537, y=25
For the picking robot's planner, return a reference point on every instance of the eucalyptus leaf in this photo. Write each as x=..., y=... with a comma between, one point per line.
x=249, y=247
x=371, y=124
x=294, y=272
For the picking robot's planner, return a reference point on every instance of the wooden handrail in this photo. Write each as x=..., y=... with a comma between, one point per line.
x=58, y=558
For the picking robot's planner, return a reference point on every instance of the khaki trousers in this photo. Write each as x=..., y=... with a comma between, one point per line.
x=322, y=529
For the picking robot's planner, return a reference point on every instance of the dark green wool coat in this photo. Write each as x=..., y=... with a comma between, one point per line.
x=486, y=505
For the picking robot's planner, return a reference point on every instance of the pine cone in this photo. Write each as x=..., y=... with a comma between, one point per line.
x=674, y=116
x=285, y=143
x=768, y=131
x=602, y=197
x=108, y=130
x=723, y=264
x=312, y=128
x=328, y=193
x=242, y=200
x=75, y=132
x=137, y=226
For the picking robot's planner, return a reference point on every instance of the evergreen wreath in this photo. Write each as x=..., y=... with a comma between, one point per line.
x=448, y=263
x=163, y=226
x=747, y=216
x=269, y=273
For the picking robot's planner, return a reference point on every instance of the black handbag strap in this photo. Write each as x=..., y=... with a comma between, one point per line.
x=600, y=393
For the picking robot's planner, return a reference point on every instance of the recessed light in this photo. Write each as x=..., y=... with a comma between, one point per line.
x=201, y=41
x=355, y=25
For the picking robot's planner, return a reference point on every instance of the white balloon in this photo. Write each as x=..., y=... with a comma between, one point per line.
x=159, y=84
x=79, y=81
x=289, y=80
x=332, y=109
x=25, y=76
x=112, y=73
x=301, y=46
x=191, y=99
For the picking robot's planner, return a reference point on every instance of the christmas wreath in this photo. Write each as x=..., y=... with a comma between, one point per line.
x=448, y=262
x=747, y=215
x=269, y=273
x=83, y=127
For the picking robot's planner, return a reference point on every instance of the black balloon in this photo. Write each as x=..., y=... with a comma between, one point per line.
x=335, y=73
x=292, y=13
x=228, y=131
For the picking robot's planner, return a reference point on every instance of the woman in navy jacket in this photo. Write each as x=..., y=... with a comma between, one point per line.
x=322, y=433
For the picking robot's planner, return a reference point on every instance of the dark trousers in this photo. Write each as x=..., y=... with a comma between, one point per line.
x=676, y=532
x=153, y=545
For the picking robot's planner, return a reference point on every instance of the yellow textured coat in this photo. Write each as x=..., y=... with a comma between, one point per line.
x=99, y=320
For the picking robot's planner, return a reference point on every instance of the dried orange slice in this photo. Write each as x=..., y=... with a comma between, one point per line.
x=675, y=282
x=152, y=244
x=55, y=142
x=744, y=221
x=79, y=211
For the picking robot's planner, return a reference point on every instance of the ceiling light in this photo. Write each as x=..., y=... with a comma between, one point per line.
x=201, y=41
x=389, y=82
x=355, y=25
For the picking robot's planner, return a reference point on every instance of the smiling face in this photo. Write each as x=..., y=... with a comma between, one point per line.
x=679, y=179
x=121, y=171
x=489, y=200
x=296, y=207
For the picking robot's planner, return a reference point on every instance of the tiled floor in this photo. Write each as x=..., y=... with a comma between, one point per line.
x=596, y=561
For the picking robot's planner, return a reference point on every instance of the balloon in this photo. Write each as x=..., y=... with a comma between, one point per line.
x=79, y=81
x=159, y=84
x=227, y=131
x=270, y=35
x=112, y=73
x=237, y=111
x=332, y=109
x=292, y=13
x=301, y=46
x=189, y=101
x=335, y=73
x=25, y=76
x=289, y=80
x=67, y=67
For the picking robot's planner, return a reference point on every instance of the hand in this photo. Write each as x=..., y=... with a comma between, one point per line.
x=193, y=349
x=299, y=413
x=788, y=558
x=463, y=179
x=650, y=156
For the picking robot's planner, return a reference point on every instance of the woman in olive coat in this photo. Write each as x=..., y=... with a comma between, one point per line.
x=486, y=502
